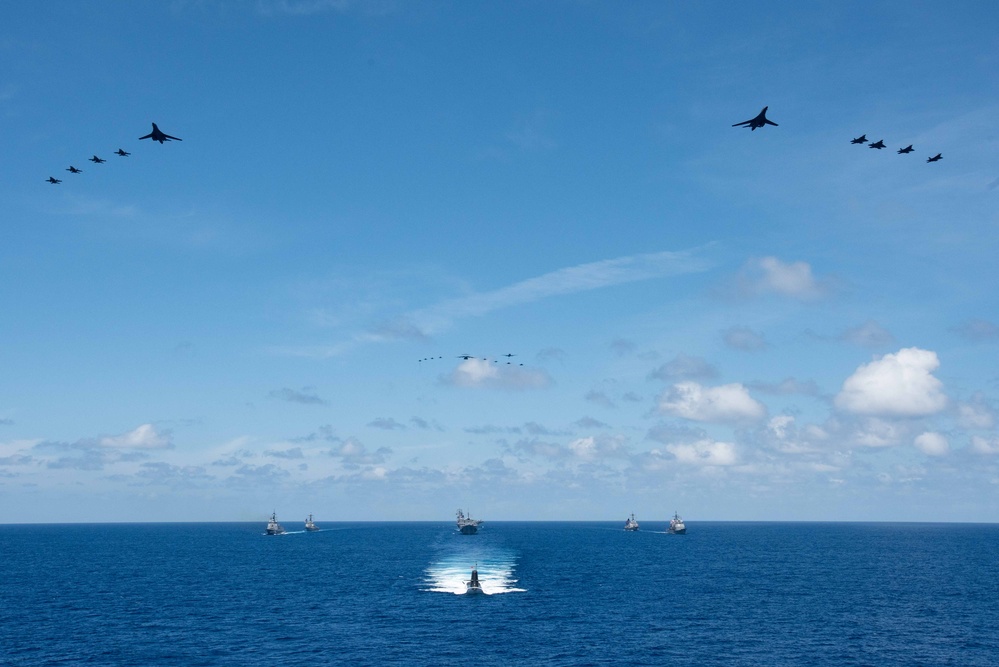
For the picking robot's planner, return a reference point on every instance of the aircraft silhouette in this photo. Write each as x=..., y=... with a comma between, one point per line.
x=122, y=153
x=54, y=181
x=879, y=144
x=935, y=158
x=466, y=357
x=74, y=169
x=157, y=135
x=907, y=149
x=862, y=139
x=97, y=160
x=509, y=355
x=759, y=121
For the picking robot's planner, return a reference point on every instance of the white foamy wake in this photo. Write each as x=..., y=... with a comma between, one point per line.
x=496, y=572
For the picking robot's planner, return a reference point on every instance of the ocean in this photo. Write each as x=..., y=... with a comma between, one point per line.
x=575, y=593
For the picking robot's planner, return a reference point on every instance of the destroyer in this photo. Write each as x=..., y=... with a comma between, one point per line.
x=309, y=526
x=467, y=525
x=676, y=526
x=273, y=527
x=630, y=524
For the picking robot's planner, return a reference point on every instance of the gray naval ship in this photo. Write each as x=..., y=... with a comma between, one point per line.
x=467, y=525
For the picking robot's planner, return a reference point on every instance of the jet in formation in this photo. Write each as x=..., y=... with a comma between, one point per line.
x=160, y=136
x=759, y=121
x=879, y=144
x=54, y=181
x=466, y=357
x=935, y=158
x=97, y=160
x=862, y=139
x=74, y=170
x=122, y=153
x=907, y=149
x=508, y=355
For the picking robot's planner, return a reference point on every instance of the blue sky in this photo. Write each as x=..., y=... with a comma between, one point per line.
x=767, y=325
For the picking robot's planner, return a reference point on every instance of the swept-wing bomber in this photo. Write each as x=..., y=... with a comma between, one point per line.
x=74, y=170
x=54, y=181
x=935, y=158
x=907, y=149
x=160, y=136
x=97, y=160
x=759, y=121
x=862, y=139
x=122, y=153
x=879, y=144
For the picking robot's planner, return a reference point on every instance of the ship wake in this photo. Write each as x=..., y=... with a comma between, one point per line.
x=496, y=572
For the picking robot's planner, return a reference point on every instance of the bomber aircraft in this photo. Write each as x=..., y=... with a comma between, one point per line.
x=907, y=149
x=158, y=135
x=759, y=121
x=935, y=158
x=879, y=144
x=862, y=139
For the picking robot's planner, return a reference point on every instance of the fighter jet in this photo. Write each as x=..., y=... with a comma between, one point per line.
x=935, y=158
x=97, y=160
x=157, y=135
x=907, y=149
x=54, y=181
x=122, y=153
x=879, y=144
x=759, y=121
x=74, y=170
x=862, y=139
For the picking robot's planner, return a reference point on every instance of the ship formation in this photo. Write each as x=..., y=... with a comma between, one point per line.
x=274, y=528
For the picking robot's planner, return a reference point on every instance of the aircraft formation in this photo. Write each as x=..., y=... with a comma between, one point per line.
x=761, y=120
x=466, y=357
x=155, y=135
x=880, y=143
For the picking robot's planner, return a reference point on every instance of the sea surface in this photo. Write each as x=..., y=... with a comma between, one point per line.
x=556, y=594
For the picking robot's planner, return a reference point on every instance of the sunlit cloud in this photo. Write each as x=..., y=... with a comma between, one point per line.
x=479, y=373
x=769, y=275
x=142, y=437
x=900, y=384
x=932, y=444
x=730, y=403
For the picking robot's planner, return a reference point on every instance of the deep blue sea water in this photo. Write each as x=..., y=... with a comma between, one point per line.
x=558, y=594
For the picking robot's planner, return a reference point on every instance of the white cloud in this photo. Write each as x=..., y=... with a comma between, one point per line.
x=770, y=275
x=143, y=437
x=900, y=384
x=705, y=453
x=982, y=445
x=975, y=415
x=479, y=373
x=875, y=432
x=932, y=444
x=729, y=403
